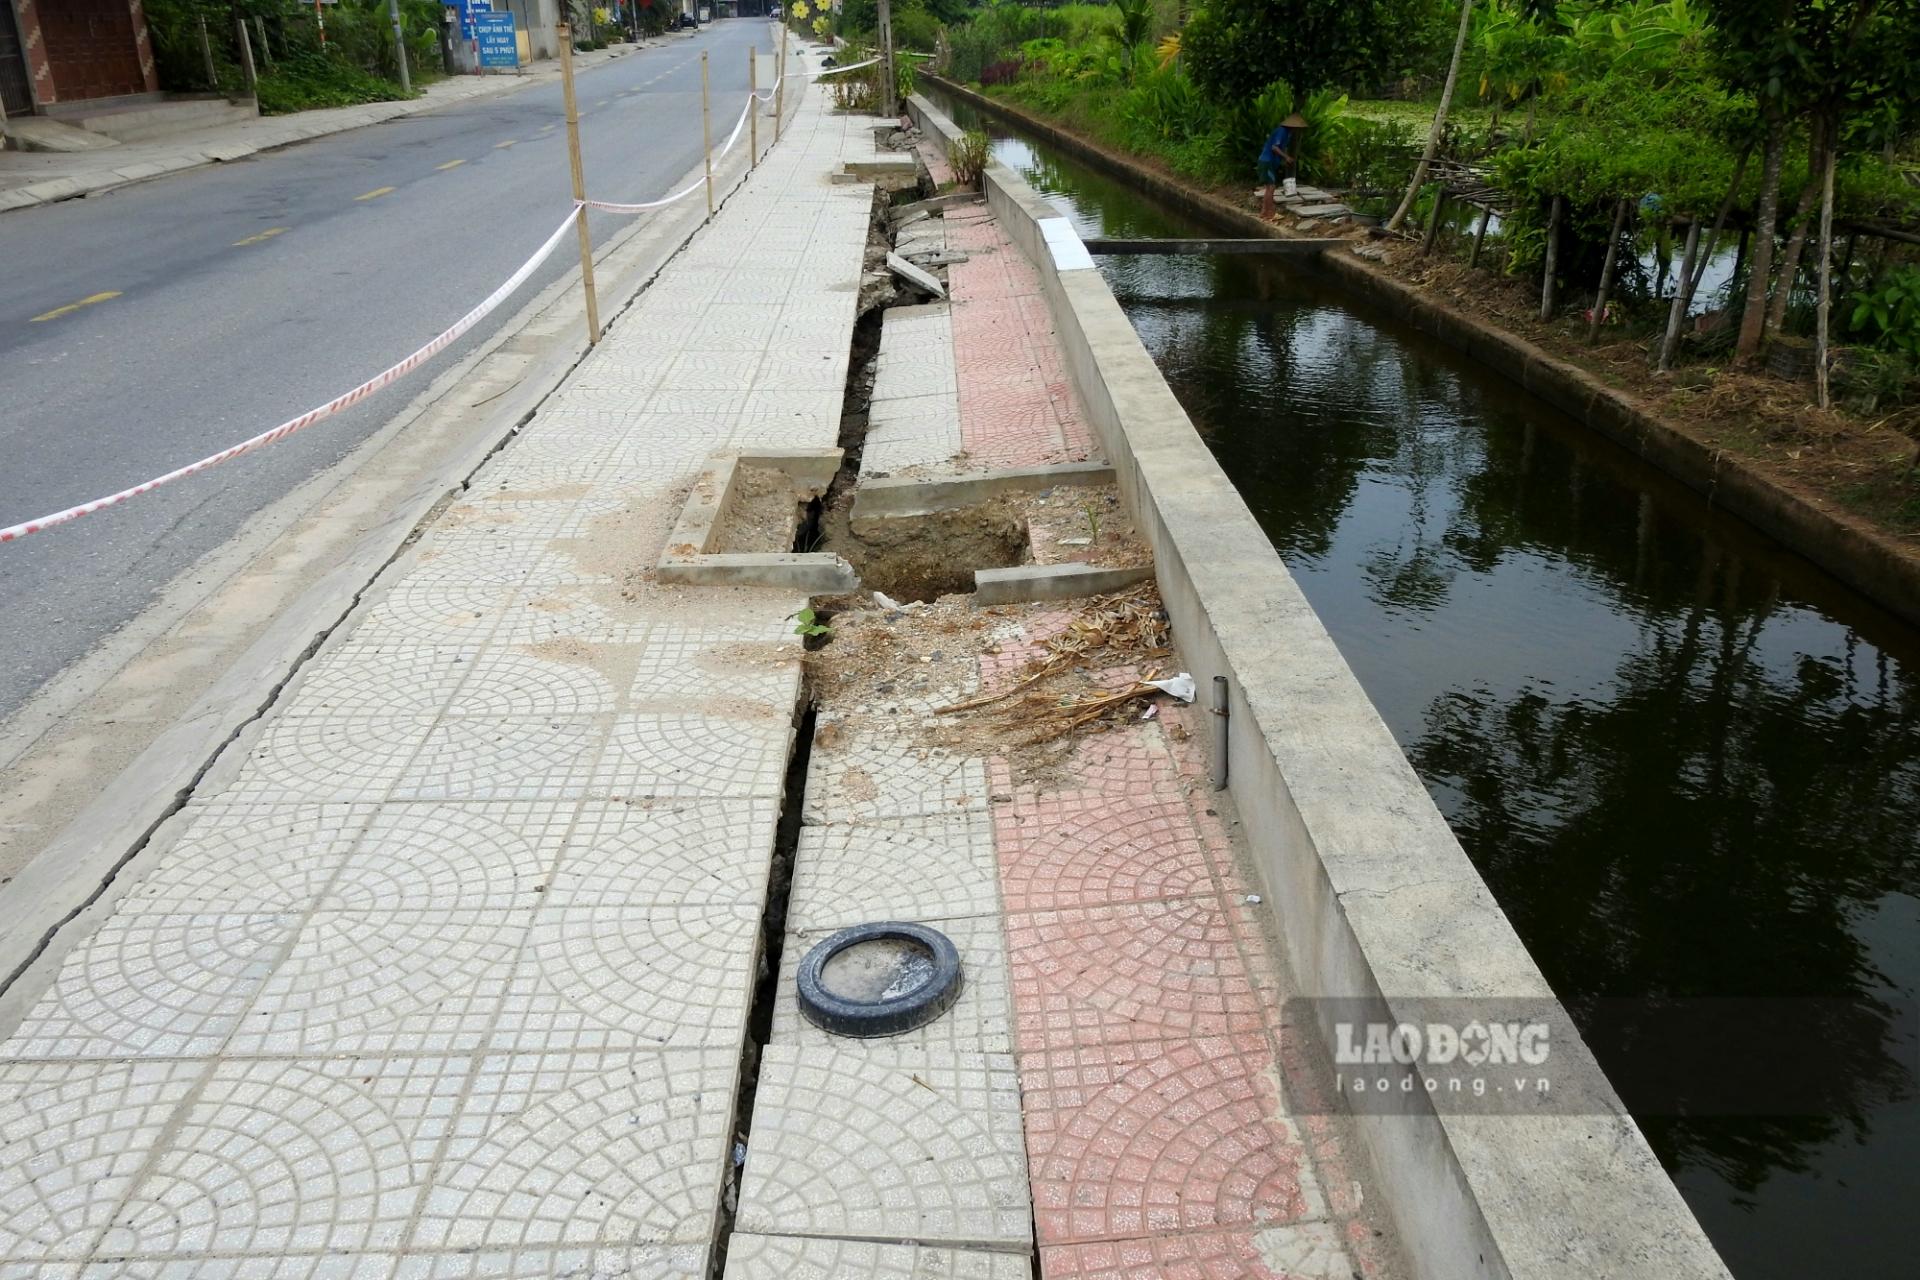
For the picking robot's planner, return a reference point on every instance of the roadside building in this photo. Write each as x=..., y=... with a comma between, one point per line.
x=65, y=51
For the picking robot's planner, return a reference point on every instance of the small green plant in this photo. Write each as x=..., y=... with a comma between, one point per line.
x=1093, y=521
x=1889, y=316
x=807, y=623
x=969, y=157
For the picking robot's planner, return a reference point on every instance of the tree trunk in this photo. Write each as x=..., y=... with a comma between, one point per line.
x=1822, y=392
x=1439, y=122
x=1753, y=320
x=1797, y=240
x=1553, y=260
x=1682, y=297
x=1606, y=272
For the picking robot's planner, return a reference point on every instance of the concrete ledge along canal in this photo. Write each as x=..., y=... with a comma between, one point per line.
x=1686, y=761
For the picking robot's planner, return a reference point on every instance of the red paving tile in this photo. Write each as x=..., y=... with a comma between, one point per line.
x=1090, y=851
x=1140, y=971
x=1183, y=1136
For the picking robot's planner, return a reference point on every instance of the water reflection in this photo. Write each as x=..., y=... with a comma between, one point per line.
x=1687, y=763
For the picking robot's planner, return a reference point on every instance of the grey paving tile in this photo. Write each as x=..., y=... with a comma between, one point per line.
x=620, y=1149
x=526, y=758
x=687, y=753
x=580, y=1262
x=455, y=858
x=150, y=983
x=275, y=859
x=400, y=980
x=930, y=868
x=73, y=1136
x=927, y=1150
x=282, y=1155
x=755, y=1257
x=864, y=775
x=632, y=976
x=667, y=853
x=340, y=759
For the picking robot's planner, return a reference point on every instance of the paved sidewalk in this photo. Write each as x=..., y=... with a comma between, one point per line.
x=29, y=178
x=445, y=970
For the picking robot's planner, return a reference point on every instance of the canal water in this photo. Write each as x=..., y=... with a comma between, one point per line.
x=1686, y=762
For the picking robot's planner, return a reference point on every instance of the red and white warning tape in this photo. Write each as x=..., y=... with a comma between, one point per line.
x=318, y=414
x=385, y=377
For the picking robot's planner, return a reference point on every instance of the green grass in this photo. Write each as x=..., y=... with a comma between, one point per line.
x=308, y=81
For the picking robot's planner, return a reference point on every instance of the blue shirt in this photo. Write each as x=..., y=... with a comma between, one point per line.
x=1279, y=140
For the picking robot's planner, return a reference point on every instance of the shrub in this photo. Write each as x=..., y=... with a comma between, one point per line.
x=312, y=79
x=969, y=157
x=1889, y=316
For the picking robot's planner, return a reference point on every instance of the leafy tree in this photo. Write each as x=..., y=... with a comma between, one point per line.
x=1439, y=121
x=1235, y=48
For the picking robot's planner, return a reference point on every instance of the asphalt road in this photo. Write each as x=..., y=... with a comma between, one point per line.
x=249, y=292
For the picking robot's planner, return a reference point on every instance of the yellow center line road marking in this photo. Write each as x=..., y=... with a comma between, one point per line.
x=502, y=146
x=268, y=234
x=72, y=307
x=451, y=164
x=374, y=194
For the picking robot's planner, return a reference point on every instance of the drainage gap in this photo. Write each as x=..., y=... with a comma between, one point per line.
x=773, y=937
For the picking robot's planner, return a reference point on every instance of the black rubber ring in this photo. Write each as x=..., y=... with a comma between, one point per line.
x=880, y=1017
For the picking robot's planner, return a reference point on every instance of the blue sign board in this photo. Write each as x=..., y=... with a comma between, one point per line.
x=498, y=47
x=469, y=11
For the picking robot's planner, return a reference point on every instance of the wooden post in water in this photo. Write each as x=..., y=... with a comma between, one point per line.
x=1606, y=272
x=565, y=33
x=706, y=131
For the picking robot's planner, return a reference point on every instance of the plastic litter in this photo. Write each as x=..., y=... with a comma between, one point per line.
x=1180, y=686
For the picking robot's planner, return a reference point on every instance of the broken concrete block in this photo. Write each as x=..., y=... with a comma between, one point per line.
x=914, y=276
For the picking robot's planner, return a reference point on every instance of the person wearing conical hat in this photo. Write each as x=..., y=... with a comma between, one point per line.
x=1280, y=156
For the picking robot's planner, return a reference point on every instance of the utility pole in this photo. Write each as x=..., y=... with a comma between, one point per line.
x=399, y=46
x=888, y=81
x=565, y=33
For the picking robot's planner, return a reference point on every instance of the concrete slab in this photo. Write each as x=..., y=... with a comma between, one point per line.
x=921, y=280
x=1052, y=582
x=926, y=1150
x=932, y=868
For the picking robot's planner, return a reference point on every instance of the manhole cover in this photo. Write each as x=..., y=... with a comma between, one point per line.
x=879, y=979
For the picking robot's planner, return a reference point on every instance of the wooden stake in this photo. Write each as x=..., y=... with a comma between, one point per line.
x=1433, y=220
x=1480, y=237
x=1553, y=261
x=706, y=130
x=1606, y=271
x=565, y=34
x=780, y=85
x=266, y=49
x=753, y=108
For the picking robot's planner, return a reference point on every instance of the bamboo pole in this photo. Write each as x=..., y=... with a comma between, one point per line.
x=753, y=108
x=266, y=49
x=1553, y=261
x=780, y=85
x=1606, y=270
x=206, y=56
x=565, y=34
x=706, y=130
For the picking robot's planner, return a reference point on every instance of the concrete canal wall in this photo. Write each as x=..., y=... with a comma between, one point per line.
x=1370, y=891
